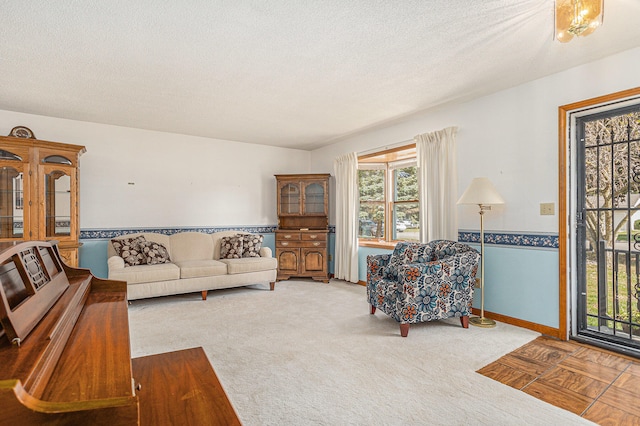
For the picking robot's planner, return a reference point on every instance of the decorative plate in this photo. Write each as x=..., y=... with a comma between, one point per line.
x=22, y=132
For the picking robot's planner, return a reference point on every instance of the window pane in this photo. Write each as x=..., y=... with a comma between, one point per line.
x=371, y=218
x=406, y=184
x=371, y=185
x=406, y=218
x=406, y=214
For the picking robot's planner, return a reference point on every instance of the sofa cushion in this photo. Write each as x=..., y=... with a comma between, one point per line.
x=251, y=244
x=146, y=273
x=191, y=246
x=250, y=264
x=154, y=253
x=231, y=247
x=129, y=250
x=201, y=268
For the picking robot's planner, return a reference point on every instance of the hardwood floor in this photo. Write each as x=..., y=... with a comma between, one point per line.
x=600, y=386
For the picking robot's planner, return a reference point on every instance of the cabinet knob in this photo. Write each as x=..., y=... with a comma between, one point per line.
x=313, y=236
x=316, y=244
x=287, y=236
x=285, y=243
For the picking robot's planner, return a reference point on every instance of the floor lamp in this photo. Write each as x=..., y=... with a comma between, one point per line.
x=481, y=192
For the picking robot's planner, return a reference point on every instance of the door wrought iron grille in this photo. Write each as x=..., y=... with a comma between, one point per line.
x=608, y=232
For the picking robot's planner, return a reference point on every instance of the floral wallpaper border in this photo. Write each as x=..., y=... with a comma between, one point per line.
x=530, y=240
x=105, y=234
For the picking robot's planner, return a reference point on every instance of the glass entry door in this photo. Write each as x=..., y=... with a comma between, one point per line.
x=608, y=228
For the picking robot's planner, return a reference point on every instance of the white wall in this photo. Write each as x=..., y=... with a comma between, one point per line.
x=510, y=136
x=179, y=181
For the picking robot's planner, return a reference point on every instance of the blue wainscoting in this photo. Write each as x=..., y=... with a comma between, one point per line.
x=521, y=283
x=93, y=256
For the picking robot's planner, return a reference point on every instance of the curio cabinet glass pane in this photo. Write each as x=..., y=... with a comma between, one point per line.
x=290, y=198
x=11, y=203
x=58, y=203
x=314, y=198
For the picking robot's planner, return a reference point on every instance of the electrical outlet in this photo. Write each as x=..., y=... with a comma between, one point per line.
x=478, y=283
x=547, y=209
x=330, y=258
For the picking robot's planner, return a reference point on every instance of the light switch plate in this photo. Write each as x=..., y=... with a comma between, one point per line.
x=547, y=209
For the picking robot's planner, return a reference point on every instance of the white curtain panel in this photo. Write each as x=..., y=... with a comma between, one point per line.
x=438, y=183
x=347, y=205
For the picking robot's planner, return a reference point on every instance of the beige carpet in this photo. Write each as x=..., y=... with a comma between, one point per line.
x=311, y=354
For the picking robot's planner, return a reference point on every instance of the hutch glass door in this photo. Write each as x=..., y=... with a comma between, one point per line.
x=12, y=205
x=290, y=199
x=58, y=202
x=314, y=198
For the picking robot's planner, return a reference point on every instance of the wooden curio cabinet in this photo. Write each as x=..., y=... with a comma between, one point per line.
x=303, y=226
x=39, y=193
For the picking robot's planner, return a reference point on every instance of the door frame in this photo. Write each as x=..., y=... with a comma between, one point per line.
x=565, y=218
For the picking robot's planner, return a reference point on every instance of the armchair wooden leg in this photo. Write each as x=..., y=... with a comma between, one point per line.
x=204, y=294
x=464, y=321
x=373, y=309
x=404, y=330
x=272, y=285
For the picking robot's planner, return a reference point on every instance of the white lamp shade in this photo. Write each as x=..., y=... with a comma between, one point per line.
x=481, y=191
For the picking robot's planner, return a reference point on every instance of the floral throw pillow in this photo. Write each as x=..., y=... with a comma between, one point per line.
x=231, y=247
x=251, y=244
x=129, y=250
x=154, y=253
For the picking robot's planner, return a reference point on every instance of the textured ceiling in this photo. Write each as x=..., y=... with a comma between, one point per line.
x=291, y=73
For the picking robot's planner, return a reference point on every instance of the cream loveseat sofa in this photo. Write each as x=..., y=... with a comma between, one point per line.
x=193, y=264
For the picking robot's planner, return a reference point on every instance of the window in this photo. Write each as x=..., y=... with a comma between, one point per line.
x=389, y=196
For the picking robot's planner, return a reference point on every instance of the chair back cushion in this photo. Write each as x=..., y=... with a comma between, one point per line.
x=446, y=248
x=407, y=252
x=411, y=252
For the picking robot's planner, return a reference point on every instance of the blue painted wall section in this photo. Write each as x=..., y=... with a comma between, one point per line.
x=521, y=283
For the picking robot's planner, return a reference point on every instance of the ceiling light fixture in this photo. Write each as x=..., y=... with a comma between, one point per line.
x=577, y=18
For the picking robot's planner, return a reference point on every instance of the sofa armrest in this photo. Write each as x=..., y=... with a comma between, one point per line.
x=266, y=252
x=115, y=263
x=376, y=284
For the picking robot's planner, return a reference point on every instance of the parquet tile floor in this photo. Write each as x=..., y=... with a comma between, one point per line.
x=599, y=385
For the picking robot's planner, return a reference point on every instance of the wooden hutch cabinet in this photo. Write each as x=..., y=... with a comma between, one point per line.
x=39, y=193
x=303, y=226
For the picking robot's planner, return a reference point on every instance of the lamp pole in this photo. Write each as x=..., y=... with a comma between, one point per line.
x=481, y=321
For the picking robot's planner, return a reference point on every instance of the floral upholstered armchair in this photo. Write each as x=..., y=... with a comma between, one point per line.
x=423, y=282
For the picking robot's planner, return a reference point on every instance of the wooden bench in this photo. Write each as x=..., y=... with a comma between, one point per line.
x=181, y=388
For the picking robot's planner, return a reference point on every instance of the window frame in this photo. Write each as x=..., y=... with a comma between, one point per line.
x=388, y=160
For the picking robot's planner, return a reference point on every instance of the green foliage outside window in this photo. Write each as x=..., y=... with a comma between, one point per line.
x=403, y=217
